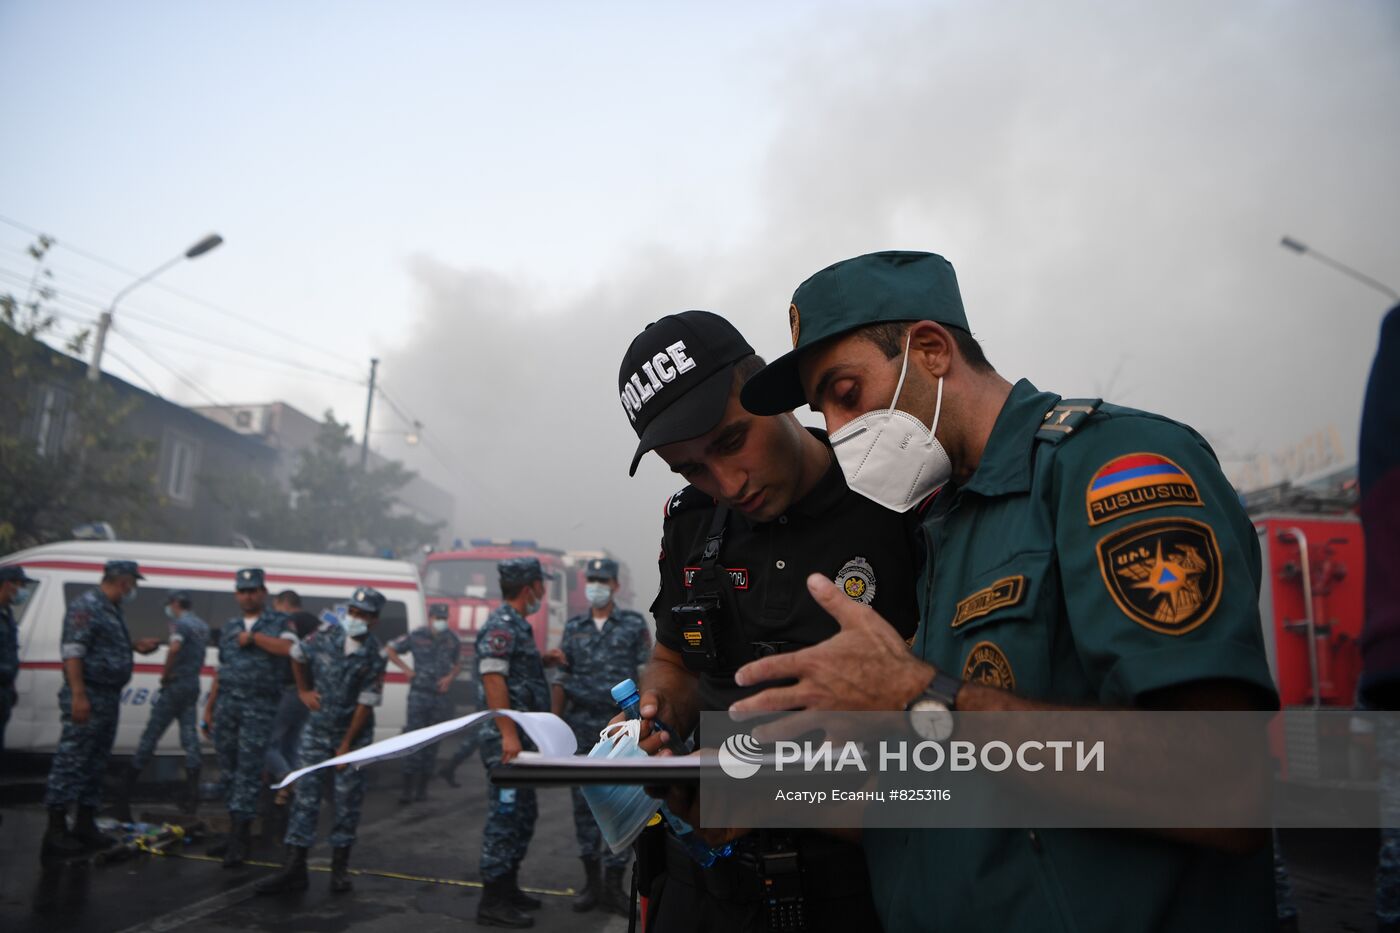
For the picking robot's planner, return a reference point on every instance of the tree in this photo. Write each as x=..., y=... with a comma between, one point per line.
x=334, y=506
x=65, y=456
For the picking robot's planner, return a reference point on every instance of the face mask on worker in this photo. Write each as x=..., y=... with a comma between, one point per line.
x=599, y=594
x=888, y=455
x=170, y=612
x=439, y=625
x=355, y=626
x=21, y=596
x=533, y=606
x=129, y=597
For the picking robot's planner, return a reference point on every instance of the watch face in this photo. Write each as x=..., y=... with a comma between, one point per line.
x=931, y=720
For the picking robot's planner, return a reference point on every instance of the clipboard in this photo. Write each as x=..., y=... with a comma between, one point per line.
x=534, y=770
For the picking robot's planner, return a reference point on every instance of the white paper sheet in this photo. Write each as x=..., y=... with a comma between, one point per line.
x=550, y=734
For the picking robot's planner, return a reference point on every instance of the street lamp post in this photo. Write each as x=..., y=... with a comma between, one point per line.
x=104, y=323
x=1303, y=249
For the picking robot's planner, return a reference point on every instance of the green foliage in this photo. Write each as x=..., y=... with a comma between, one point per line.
x=66, y=457
x=334, y=506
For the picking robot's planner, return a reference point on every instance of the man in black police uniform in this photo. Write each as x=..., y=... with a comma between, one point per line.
x=766, y=506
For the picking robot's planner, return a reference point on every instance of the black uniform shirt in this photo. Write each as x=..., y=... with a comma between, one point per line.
x=865, y=548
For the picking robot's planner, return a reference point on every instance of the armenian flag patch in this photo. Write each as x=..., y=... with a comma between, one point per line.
x=1135, y=483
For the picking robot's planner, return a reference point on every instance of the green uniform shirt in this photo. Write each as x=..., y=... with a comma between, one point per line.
x=1083, y=567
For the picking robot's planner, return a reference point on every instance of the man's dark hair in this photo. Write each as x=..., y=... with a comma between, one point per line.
x=746, y=368
x=184, y=602
x=304, y=623
x=291, y=597
x=889, y=337
x=512, y=590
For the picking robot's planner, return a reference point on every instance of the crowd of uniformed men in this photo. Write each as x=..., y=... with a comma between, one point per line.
x=956, y=541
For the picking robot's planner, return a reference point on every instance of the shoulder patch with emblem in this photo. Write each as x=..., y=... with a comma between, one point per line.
x=857, y=580
x=1008, y=591
x=1164, y=573
x=987, y=664
x=498, y=641
x=1135, y=483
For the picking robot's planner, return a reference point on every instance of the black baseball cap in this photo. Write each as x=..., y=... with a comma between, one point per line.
x=676, y=377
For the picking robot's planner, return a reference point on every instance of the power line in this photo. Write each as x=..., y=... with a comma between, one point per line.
x=194, y=386
x=101, y=261
x=202, y=302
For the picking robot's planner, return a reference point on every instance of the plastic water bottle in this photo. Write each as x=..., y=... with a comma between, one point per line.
x=629, y=700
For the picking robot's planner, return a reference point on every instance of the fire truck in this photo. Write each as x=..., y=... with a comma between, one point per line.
x=467, y=581
x=1311, y=604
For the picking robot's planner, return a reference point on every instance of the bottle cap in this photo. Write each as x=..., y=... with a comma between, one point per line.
x=624, y=690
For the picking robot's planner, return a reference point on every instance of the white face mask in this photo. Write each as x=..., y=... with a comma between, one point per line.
x=439, y=625
x=888, y=455
x=355, y=627
x=599, y=594
x=533, y=606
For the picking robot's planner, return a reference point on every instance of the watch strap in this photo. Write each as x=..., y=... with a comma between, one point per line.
x=943, y=688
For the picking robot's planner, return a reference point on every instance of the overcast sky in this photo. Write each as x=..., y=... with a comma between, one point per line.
x=494, y=198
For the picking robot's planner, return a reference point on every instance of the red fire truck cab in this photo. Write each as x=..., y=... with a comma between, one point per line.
x=466, y=580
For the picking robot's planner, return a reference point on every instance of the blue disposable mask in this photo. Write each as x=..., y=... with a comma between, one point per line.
x=21, y=597
x=355, y=627
x=621, y=812
x=599, y=594
x=170, y=613
x=129, y=597
x=532, y=607
x=439, y=625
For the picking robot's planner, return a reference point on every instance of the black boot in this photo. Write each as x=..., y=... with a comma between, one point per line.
x=190, y=805
x=85, y=830
x=240, y=834
x=587, y=899
x=518, y=898
x=122, y=805
x=291, y=877
x=340, y=870
x=613, y=897
x=422, y=792
x=449, y=771
x=406, y=795
x=496, y=910
x=58, y=842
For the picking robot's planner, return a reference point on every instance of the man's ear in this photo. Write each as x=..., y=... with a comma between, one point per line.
x=931, y=347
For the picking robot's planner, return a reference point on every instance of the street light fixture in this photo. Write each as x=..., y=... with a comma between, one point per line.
x=104, y=323
x=1302, y=249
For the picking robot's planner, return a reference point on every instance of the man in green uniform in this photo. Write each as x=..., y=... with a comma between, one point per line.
x=1080, y=555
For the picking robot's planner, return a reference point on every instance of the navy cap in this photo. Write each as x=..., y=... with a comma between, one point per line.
x=522, y=570
x=182, y=596
x=676, y=378
x=367, y=599
x=14, y=573
x=600, y=568
x=249, y=578
x=122, y=568
x=895, y=285
x=438, y=611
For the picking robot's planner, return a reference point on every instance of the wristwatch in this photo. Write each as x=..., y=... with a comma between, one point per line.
x=931, y=713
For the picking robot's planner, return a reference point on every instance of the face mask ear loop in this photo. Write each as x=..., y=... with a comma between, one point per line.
x=937, y=408
x=903, y=371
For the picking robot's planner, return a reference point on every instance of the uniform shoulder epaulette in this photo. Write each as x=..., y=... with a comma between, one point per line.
x=1065, y=418
x=688, y=499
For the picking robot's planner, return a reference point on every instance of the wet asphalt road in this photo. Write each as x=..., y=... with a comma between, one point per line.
x=419, y=866
x=418, y=869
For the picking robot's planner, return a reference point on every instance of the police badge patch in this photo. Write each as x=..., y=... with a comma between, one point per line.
x=857, y=580
x=1164, y=573
x=986, y=664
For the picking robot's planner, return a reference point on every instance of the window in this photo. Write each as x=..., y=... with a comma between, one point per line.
x=180, y=460
x=145, y=617
x=477, y=579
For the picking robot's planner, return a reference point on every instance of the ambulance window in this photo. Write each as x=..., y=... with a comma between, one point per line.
x=145, y=616
x=20, y=609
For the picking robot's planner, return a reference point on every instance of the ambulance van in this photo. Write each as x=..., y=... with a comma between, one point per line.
x=65, y=570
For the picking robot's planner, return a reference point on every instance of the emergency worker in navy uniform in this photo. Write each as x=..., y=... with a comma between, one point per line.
x=600, y=648
x=13, y=581
x=767, y=505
